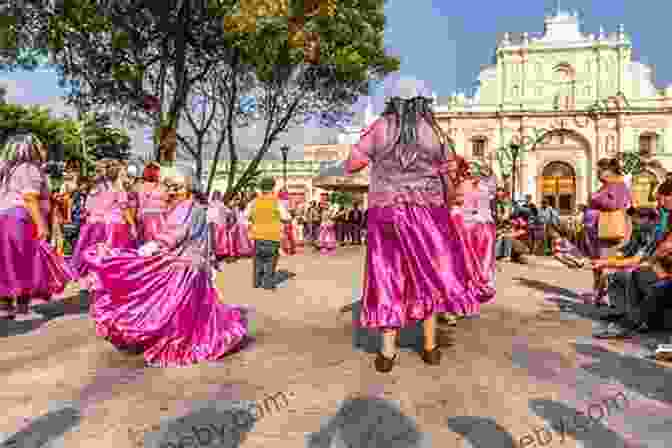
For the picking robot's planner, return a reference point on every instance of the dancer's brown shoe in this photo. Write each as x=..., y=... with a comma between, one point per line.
x=384, y=364
x=431, y=357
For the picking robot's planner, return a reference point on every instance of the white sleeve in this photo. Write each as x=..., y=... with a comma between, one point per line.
x=248, y=210
x=284, y=214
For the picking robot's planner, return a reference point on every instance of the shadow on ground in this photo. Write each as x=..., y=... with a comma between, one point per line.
x=368, y=423
x=58, y=308
x=45, y=429
x=481, y=432
x=222, y=424
x=547, y=287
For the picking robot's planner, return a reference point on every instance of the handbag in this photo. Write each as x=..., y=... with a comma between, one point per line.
x=612, y=225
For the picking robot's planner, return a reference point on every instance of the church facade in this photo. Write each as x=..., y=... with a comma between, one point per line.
x=582, y=93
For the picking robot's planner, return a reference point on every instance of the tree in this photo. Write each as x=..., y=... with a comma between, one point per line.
x=16, y=119
x=145, y=58
x=123, y=53
x=287, y=90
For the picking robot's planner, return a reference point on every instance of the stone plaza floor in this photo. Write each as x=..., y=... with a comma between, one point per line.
x=524, y=374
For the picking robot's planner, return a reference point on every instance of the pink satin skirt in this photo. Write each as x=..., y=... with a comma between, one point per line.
x=327, y=239
x=288, y=242
x=28, y=267
x=165, y=306
x=223, y=246
x=241, y=245
x=480, y=248
x=112, y=235
x=415, y=267
x=151, y=225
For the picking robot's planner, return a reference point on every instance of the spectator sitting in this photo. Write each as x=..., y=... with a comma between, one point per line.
x=630, y=289
x=510, y=237
x=641, y=245
x=563, y=250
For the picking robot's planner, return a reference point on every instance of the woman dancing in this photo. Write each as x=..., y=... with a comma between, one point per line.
x=473, y=218
x=151, y=203
x=327, y=239
x=109, y=220
x=288, y=243
x=29, y=267
x=415, y=264
x=223, y=220
x=162, y=298
x=480, y=234
x=242, y=246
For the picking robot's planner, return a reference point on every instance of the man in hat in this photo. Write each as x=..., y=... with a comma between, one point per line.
x=267, y=214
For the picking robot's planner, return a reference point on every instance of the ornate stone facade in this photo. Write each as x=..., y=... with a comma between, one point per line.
x=582, y=91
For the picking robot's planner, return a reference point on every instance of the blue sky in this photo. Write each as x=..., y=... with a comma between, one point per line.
x=444, y=43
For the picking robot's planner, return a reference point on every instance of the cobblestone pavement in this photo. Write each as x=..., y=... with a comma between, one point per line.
x=511, y=376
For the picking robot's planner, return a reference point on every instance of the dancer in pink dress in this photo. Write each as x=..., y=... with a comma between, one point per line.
x=151, y=203
x=223, y=219
x=479, y=235
x=288, y=243
x=415, y=265
x=163, y=302
x=29, y=267
x=327, y=238
x=109, y=220
x=241, y=244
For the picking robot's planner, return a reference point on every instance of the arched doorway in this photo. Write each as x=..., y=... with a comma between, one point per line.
x=559, y=186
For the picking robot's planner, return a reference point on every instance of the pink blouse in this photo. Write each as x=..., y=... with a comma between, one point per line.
x=406, y=174
x=26, y=178
x=151, y=200
x=107, y=207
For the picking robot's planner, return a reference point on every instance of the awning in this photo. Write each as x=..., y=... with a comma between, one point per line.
x=332, y=176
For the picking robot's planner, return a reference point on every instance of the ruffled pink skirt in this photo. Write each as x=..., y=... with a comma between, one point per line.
x=113, y=235
x=165, y=306
x=327, y=239
x=415, y=267
x=151, y=225
x=28, y=267
x=241, y=244
x=223, y=246
x=479, y=243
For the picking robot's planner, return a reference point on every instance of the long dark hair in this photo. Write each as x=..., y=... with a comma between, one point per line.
x=19, y=150
x=408, y=114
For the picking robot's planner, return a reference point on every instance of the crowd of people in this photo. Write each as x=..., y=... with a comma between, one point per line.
x=146, y=247
x=626, y=243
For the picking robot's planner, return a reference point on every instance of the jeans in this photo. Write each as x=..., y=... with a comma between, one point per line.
x=628, y=290
x=656, y=309
x=503, y=248
x=264, y=263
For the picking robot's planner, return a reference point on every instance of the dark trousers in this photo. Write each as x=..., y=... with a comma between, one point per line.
x=355, y=232
x=307, y=232
x=656, y=309
x=315, y=231
x=266, y=253
x=340, y=231
x=628, y=291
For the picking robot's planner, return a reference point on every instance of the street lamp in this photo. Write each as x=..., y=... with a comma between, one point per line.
x=285, y=151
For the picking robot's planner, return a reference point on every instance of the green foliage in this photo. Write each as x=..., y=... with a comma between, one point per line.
x=342, y=198
x=15, y=119
x=123, y=52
